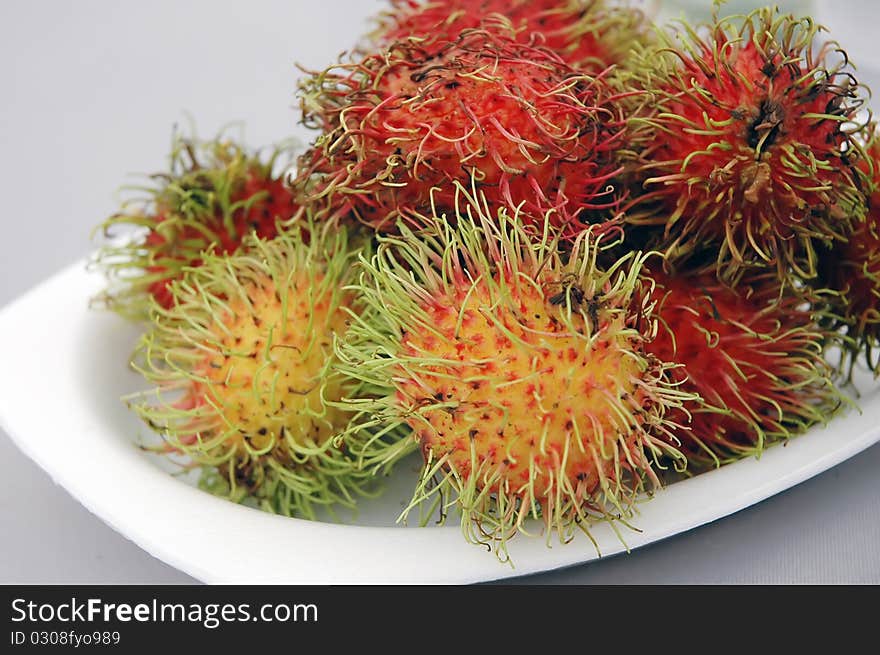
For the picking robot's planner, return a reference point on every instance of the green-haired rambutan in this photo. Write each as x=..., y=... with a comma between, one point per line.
x=749, y=141
x=591, y=35
x=402, y=126
x=245, y=377
x=754, y=355
x=522, y=373
x=215, y=194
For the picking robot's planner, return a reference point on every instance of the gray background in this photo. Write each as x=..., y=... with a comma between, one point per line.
x=89, y=92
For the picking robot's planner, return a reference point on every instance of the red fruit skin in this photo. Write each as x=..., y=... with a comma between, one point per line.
x=748, y=148
x=272, y=202
x=588, y=34
x=852, y=269
x=755, y=358
x=401, y=126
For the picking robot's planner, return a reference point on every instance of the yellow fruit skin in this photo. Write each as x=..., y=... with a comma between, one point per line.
x=522, y=391
x=265, y=378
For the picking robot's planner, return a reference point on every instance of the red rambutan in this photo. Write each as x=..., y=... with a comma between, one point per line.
x=215, y=194
x=754, y=355
x=588, y=34
x=749, y=141
x=400, y=127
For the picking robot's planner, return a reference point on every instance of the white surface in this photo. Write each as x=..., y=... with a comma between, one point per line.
x=88, y=445
x=91, y=90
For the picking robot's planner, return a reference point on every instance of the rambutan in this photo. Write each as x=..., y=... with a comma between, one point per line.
x=591, y=35
x=215, y=194
x=245, y=378
x=851, y=269
x=523, y=377
x=749, y=142
x=400, y=127
x=754, y=355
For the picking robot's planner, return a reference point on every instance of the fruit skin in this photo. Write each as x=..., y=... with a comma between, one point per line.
x=244, y=378
x=591, y=35
x=522, y=376
x=746, y=144
x=214, y=195
x=400, y=127
x=754, y=354
x=851, y=269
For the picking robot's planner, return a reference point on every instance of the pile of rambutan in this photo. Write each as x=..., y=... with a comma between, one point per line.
x=559, y=253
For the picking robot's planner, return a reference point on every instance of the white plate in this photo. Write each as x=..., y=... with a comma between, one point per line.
x=63, y=369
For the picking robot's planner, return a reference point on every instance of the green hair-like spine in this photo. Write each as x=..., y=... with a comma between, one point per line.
x=415, y=268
